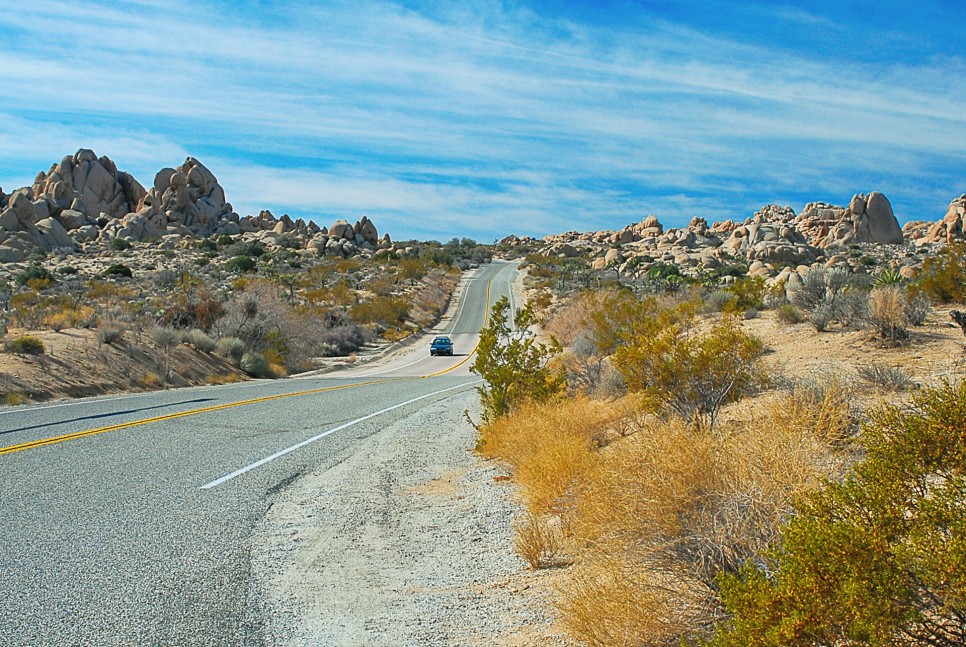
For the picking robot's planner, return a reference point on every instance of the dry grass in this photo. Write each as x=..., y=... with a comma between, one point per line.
x=537, y=540
x=652, y=518
x=150, y=380
x=223, y=378
x=15, y=399
x=550, y=448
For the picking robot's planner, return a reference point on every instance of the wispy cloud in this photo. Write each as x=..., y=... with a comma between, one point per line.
x=492, y=120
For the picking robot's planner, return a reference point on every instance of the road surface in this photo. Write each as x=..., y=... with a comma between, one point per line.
x=127, y=520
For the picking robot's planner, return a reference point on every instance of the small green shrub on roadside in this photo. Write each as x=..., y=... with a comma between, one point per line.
x=513, y=364
x=691, y=374
x=231, y=348
x=255, y=365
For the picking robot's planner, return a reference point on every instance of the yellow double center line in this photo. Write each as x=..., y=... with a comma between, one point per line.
x=172, y=416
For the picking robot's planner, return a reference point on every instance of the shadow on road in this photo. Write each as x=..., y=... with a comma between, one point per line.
x=106, y=415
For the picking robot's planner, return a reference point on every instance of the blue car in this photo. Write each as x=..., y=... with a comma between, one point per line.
x=441, y=346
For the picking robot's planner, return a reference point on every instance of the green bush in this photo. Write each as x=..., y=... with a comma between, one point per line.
x=33, y=272
x=231, y=348
x=255, y=365
x=749, y=292
x=119, y=245
x=691, y=374
x=513, y=364
x=877, y=559
x=241, y=264
x=118, y=269
x=26, y=345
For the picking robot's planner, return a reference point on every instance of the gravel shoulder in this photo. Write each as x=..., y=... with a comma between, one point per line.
x=406, y=542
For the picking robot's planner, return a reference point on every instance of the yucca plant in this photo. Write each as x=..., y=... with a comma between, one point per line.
x=888, y=276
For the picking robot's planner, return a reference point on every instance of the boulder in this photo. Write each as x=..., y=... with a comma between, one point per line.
x=55, y=233
x=341, y=229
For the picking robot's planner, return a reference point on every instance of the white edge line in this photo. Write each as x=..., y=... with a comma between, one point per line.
x=287, y=450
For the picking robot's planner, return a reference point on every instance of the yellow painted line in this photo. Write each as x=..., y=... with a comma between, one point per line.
x=486, y=316
x=134, y=423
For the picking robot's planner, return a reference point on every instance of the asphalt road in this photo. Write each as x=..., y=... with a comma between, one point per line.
x=127, y=520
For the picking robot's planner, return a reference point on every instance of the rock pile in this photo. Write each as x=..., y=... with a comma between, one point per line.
x=866, y=220
x=774, y=243
x=84, y=200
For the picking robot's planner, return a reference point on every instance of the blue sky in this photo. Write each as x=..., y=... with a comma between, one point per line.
x=439, y=119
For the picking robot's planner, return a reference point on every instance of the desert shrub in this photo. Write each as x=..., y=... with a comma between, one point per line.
x=110, y=331
x=231, y=348
x=549, y=448
x=826, y=296
x=119, y=245
x=875, y=559
x=35, y=273
x=887, y=312
x=918, y=308
x=891, y=378
x=386, y=311
x=536, y=540
x=788, y=314
x=118, y=269
x=26, y=345
x=200, y=340
x=207, y=244
x=665, y=511
x=252, y=249
x=57, y=321
x=164, y=338
x=748, y=292
x=718, y=301
x=943, y=276
x=255, y=365
x=67, y=270
x=513, y=364
x=241, y=264
x=342, y=340
x=693, y=374
x=263, y=318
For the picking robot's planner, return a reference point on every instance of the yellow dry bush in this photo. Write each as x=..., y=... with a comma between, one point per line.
x=610, y=602
x=550, y=447
x=666, y=510
x=150, y=380
x=222, y=378
x=277, y=369
x=536, y=540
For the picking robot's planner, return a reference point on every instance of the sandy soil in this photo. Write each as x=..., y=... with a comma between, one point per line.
x=77, y=364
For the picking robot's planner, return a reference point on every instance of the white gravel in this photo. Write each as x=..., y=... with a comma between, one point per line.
x=406, y=542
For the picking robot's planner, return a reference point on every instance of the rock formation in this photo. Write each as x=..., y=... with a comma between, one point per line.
x=950, y=228
x=866, y=220
x=84, y=200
